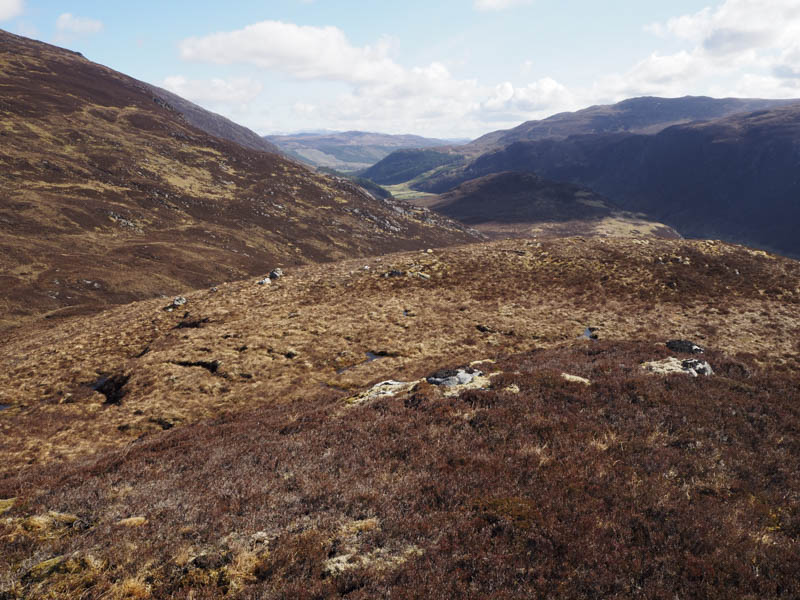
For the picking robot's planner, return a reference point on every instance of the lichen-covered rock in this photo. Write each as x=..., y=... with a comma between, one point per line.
x=176, y=302
x=453, y=377
x=382, y=390
x=132, y=522
x=575, y=379
x=667, y=366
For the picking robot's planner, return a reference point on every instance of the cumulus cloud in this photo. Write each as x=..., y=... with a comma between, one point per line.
x=733, y=48
x=304, y=52
x=499, y=4
x=67, y=23
x=542, y=95
x=739, y=46
x=381, y=94
x=214, y=91
x=10, y=9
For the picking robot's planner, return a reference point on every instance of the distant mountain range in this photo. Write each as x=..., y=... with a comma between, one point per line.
x=347, y=151
x=730, y=172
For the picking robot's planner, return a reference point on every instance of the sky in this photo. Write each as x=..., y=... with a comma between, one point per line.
x=442, y=68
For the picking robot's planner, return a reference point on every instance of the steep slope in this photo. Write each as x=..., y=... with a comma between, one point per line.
x=404, y=165
x=233, y=452
x=635, y=115
x=108, y=195
x=524, y=205
x=646, y=115
x=212, y=123
x=348, y=150
x=733, y=178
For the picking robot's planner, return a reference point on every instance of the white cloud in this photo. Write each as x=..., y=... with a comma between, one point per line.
x=383, y=95
x=301, y=51
x=733, y=48
x=70, y=24
x=543, y=95
x=499, y=4
x=237, y=91
x=10, y=9
x=738, y=47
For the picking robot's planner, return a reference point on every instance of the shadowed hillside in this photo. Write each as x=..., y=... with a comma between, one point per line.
x=524, y=205
x=646, y=115
x=108, y=195
x=733, y=178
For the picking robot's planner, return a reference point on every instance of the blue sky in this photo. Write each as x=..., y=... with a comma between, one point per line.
x=449, y=68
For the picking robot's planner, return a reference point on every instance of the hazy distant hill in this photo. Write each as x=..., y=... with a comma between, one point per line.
x=736, y=178
x=349, y=150
x=637, y=115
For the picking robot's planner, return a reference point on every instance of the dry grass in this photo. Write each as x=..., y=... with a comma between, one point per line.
x=633, y=486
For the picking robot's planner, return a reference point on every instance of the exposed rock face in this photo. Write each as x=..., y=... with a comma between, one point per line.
x=453, y=377
x=672, y=365
x=177, y=302
x=684, y=346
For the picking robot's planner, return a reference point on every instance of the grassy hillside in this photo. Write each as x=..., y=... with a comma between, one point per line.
x=237, y=448
x=108, y=194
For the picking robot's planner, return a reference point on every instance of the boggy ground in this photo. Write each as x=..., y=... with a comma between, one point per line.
x=221, y=454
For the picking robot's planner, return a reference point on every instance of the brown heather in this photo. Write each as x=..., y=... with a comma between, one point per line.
x=223, y=459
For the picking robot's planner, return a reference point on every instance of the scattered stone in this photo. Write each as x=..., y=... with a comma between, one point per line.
x=684, y=346
x=261, y=538
x=211, y=561
x=422, y=275
x=575, y=379
x=590, y=333
x=132, y=522
x=176, y=302
x=667, y=366
x=394, y=273
x=383, y=389
x=484, y=329
x=452, y=377
x=276, y=273
x=698, y=367
x=214, y=289
x=264, y=281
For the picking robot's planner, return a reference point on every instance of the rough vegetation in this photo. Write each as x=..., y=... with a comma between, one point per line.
x=108, y=195
x=238, y=464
